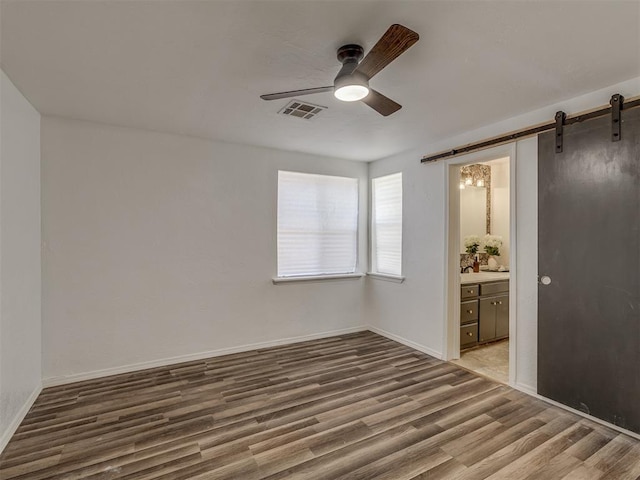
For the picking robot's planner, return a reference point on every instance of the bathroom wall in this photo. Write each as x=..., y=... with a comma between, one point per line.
x=473, y=205
x=473, y=213
x=500, y=207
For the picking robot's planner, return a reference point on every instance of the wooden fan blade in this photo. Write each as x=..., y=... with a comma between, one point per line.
x=296, y=93
x=381, y=104
x=395, y=41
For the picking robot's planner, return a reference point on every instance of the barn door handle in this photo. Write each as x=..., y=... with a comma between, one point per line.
x=544, y=280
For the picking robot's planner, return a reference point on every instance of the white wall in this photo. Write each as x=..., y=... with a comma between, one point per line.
x=20, y=345
x=414, y=311
x=158, y=246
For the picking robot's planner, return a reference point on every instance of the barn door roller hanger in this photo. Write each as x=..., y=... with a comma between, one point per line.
x=616, y=102
x=560, y=118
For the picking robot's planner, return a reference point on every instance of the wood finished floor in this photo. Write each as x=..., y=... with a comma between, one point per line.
x=352, y=407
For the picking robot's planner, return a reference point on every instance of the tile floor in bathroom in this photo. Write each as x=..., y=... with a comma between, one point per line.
x=491, y=360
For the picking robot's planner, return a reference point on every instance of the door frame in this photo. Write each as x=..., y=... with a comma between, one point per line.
x=451, y=321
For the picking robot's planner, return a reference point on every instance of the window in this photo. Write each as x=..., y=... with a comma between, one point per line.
x=317, y=224
x=386, y=225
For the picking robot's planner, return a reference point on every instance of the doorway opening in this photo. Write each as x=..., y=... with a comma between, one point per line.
x=480, y=313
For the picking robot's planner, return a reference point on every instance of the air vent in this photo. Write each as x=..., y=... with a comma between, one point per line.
x=296, y=108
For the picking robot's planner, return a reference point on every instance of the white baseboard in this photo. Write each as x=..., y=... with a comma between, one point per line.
x=404, y=341
x=78, y=377
x=17, y=419
x=530, y=391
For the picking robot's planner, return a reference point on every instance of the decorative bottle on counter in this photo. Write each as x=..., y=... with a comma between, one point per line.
x=476, y=264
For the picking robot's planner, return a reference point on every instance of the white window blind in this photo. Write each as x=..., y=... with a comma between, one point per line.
x=317, y=224
x=387, y=224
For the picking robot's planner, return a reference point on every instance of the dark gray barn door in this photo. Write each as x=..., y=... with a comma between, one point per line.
x=589, y=245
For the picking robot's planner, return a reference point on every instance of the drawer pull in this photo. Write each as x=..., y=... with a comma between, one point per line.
x=469, y=311
x=499, y=303
x=469, y=291
x=470, y=334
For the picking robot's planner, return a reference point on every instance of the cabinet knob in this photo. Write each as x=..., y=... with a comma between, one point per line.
x=469, y=311
x=545, y=280
x=499, y=303
x=469, y=291
x=470, y=334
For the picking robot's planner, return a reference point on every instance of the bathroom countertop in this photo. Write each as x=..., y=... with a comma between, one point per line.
x=467, y=278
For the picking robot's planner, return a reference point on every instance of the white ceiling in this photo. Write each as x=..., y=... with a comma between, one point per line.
x=198, y=68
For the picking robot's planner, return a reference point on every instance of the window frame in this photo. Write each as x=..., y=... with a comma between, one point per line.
x=374, y=272
x=355, y=274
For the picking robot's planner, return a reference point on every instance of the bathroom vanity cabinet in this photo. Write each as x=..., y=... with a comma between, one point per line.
x=484, y=312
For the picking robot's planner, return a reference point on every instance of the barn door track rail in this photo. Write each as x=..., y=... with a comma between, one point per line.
x=616, y=106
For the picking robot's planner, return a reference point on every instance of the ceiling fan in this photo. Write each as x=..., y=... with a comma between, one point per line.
x=352, y=82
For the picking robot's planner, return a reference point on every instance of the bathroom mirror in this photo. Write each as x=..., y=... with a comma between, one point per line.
x=475, y=202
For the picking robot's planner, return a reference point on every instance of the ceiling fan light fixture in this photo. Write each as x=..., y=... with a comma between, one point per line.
x=351, y=93
x=350, y=86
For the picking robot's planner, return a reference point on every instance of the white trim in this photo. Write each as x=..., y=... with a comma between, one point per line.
x=513, y=266
x=404, y=341
x=78, y=377
x=451, y=330
x=372, y=228
x=530, y=391
x=316, y=278
x=19, y=417
x=385, y=276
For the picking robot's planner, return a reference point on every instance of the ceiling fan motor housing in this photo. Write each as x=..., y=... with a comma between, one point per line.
x=350, y=56
x=350, y=52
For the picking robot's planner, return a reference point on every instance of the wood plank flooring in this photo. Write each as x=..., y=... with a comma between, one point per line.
x=352, y=407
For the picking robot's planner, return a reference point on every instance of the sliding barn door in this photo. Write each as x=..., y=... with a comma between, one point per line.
x=589, y=248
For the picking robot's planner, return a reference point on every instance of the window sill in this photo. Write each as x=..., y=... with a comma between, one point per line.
x=317, y=278
x=386, y=277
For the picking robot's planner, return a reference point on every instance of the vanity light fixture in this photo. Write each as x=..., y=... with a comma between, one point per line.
x=462, y=187
x=468, y=181
x=480, y=183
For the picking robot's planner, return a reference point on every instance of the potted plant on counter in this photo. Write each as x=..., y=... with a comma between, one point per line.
x=492, y=245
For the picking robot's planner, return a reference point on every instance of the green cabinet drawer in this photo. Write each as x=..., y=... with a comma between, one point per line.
x=469, y=291
x=468, y=312
x=494, y=288
x=468, y=335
